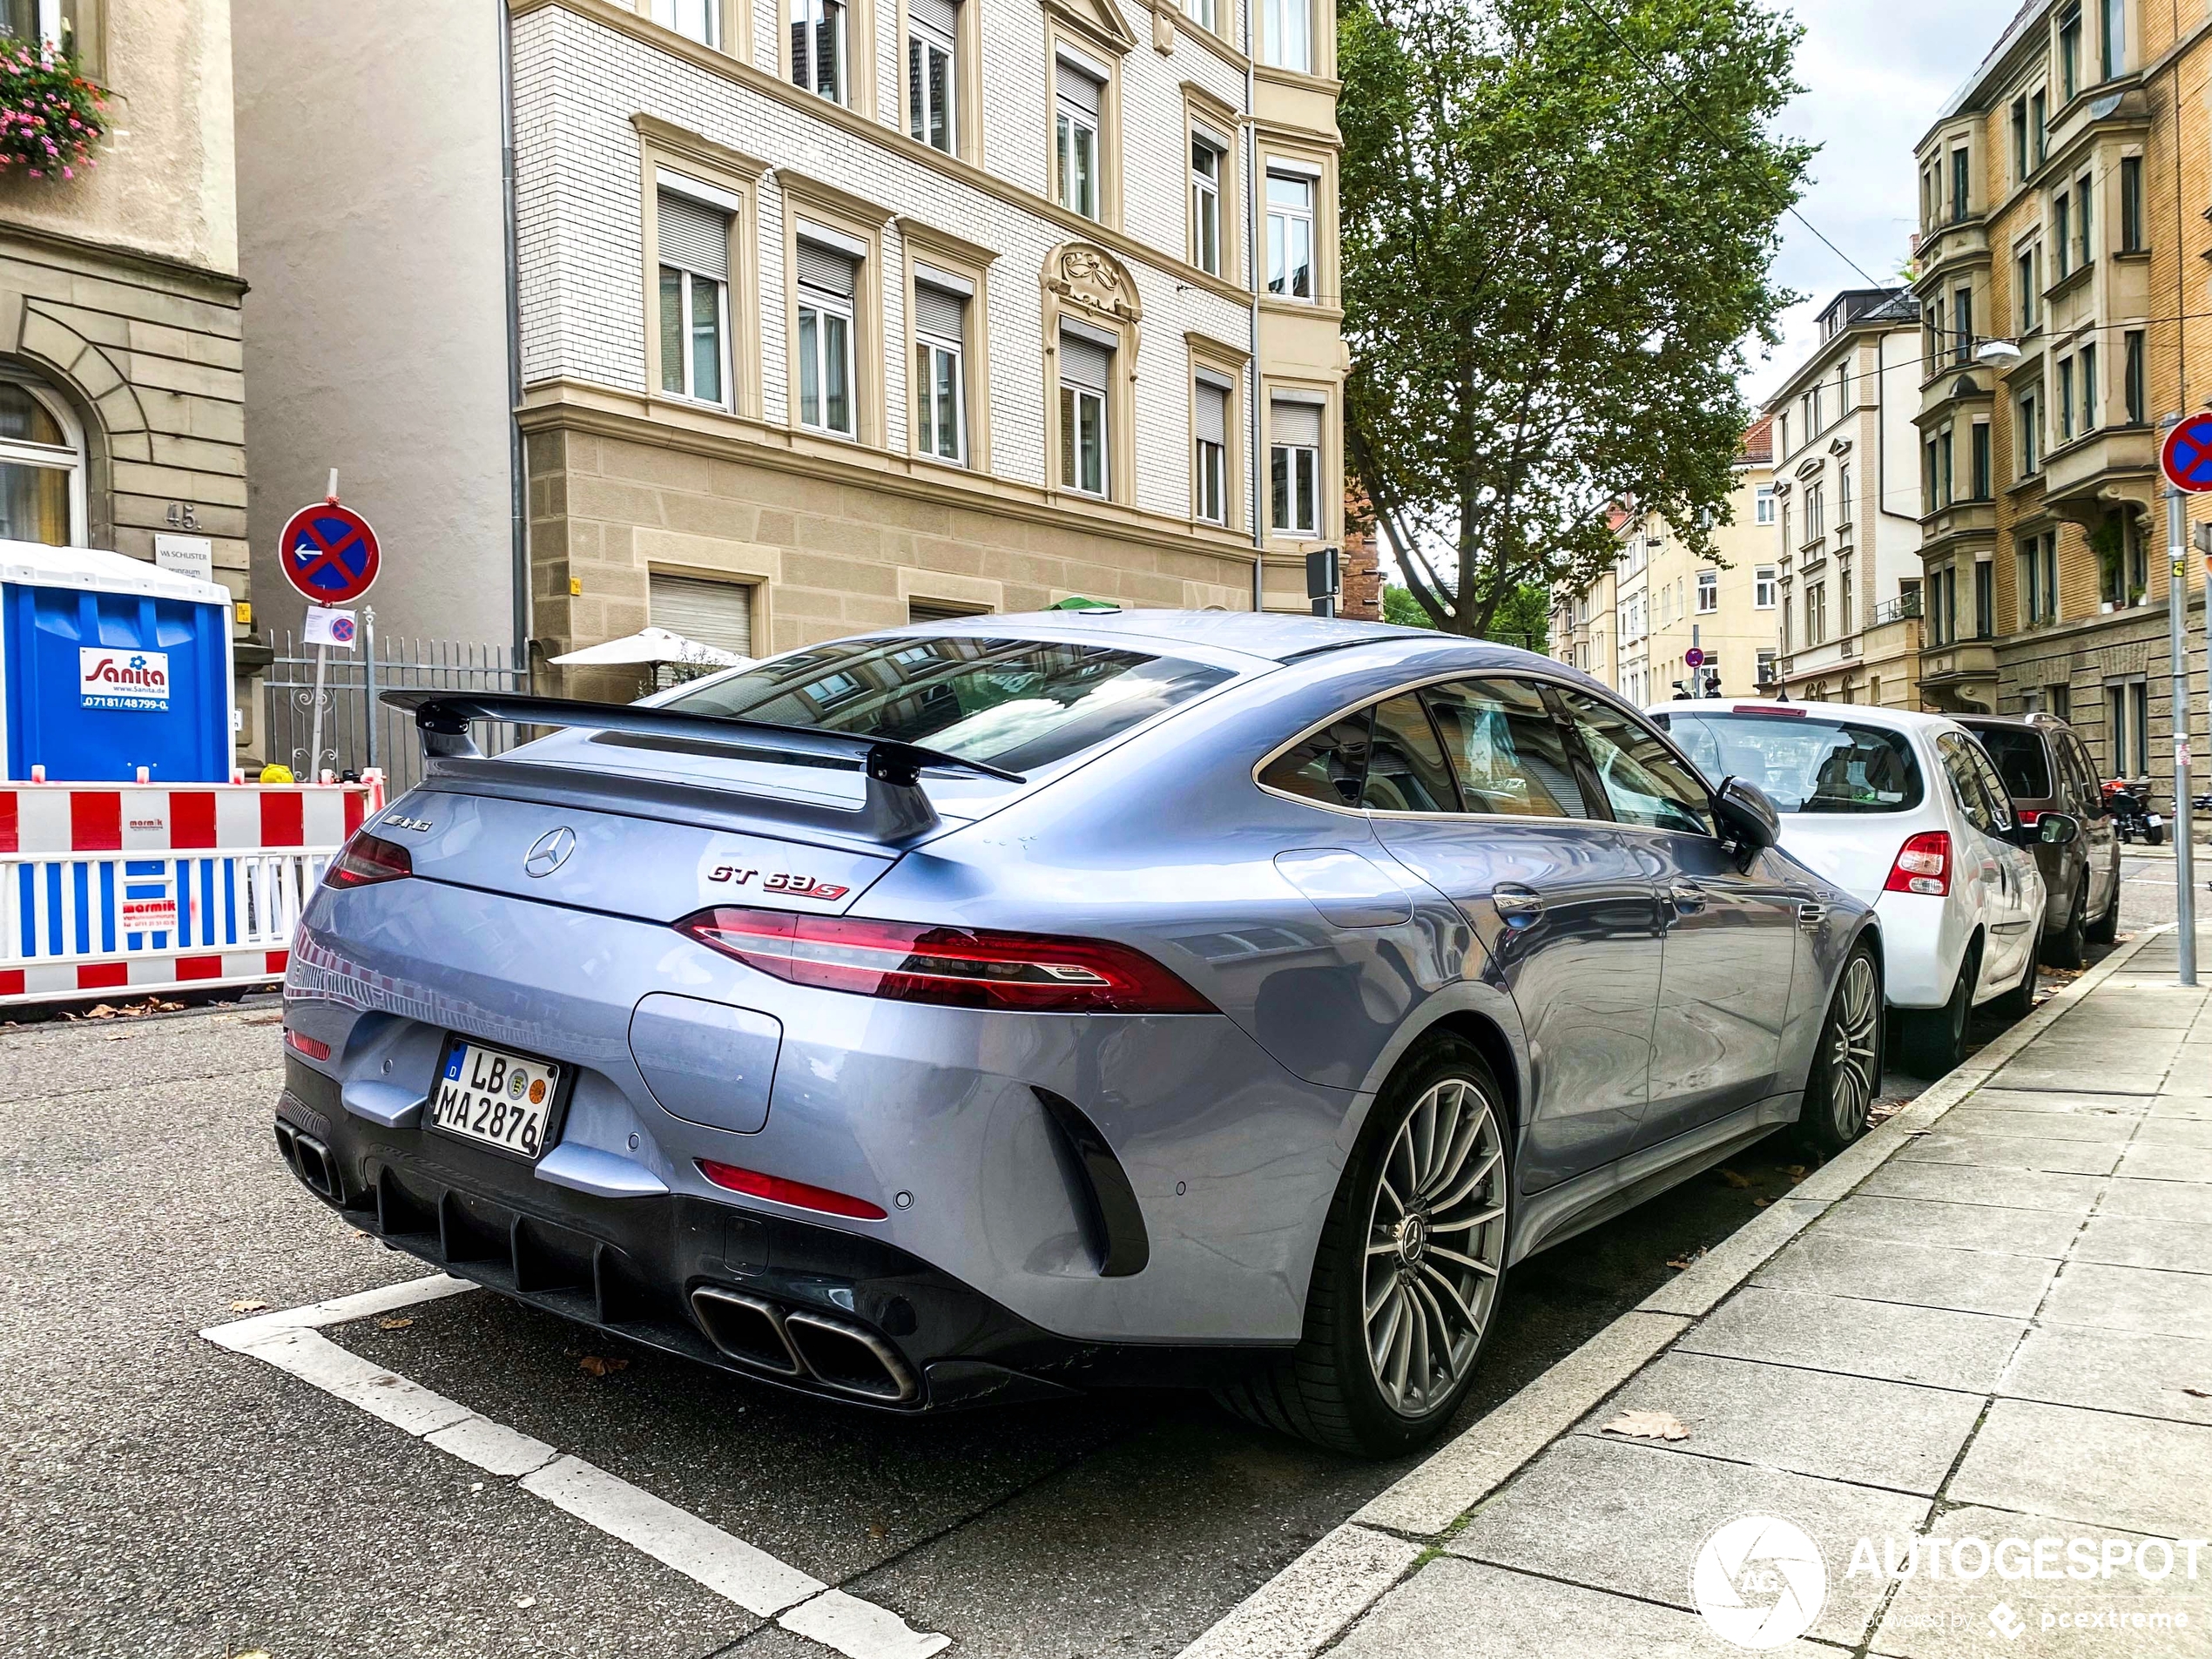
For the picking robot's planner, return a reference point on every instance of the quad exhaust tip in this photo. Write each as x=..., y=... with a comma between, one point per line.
x=800, y=1343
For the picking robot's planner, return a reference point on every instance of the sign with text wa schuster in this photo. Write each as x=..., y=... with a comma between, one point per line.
x=2186, y=456
x=113, y=679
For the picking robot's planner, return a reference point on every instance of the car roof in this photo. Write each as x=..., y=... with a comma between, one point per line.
x=1858, y=713
x=1270, y=635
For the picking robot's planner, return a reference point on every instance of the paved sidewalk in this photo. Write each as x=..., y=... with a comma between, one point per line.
x=1990, y=1320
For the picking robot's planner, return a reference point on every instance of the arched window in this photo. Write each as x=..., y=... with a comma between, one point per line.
x=42, y=469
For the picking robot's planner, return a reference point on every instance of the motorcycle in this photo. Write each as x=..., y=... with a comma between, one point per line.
x=2130, y=805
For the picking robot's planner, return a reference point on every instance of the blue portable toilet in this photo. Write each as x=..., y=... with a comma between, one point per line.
x=108, y=663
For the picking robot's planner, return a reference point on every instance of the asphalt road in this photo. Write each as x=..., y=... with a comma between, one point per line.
x=167, y=1497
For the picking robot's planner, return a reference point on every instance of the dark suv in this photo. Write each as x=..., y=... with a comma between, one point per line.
x=2046, y=765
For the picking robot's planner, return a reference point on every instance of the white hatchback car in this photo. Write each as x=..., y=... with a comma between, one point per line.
x=1906, y=813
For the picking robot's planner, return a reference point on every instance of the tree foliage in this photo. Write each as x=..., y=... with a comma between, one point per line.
x=1559, y=223
x=1523, y=619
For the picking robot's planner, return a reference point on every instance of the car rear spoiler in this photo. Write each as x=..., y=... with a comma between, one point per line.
x=894, y=806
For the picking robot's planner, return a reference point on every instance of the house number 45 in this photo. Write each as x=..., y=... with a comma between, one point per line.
x=180, y=516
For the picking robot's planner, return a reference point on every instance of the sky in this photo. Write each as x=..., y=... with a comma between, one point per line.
x=1875, y=73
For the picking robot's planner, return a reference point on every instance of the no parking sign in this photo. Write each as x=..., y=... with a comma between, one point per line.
x=329, y=553
x=2186, y=456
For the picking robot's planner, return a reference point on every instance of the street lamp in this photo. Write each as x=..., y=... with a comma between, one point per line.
x=1999, y=353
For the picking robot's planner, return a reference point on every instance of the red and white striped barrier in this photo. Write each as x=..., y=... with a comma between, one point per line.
x=107, y=887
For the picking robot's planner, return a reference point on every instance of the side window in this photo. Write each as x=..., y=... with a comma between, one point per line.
x=1510, y=753
x=2088, y=799
x=1992, y=785
x=1406, y=770
x=1644, y=782
x=1329, y=765
x=1966, y=781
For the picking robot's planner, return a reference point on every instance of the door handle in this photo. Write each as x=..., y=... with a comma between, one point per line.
x=1518, y=905
x=1687, y=896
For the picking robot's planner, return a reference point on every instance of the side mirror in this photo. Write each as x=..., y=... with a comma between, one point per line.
x=2057, y=829
x=1747, y=816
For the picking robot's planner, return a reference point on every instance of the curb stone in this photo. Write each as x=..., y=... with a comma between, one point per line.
x=1317, y=1597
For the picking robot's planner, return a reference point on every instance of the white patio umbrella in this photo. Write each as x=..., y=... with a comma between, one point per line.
x=653, y=645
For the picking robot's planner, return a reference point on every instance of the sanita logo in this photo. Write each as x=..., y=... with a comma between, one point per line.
x=137, y=671
x=122, y=680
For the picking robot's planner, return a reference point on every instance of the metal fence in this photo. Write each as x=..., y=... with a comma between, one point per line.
x=358, y=732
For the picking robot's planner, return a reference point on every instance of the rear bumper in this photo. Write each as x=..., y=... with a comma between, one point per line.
x=1924, y=940
x=771, y=1297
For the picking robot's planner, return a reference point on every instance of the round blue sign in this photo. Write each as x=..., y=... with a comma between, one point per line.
x=329, y=553
x=2186, y=456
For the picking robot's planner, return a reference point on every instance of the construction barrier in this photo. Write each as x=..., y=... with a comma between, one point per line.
x=106, y=888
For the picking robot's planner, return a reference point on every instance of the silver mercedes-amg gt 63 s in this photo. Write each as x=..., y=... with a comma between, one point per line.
x=985, y=1010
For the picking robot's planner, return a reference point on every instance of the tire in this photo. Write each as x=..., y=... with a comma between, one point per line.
x=2068, y=948
x=1847, y=1062
x=2019, y=1002
x=2106, y=929
x=2154, y=835
x=1329, y=1389
x=1934, y=1040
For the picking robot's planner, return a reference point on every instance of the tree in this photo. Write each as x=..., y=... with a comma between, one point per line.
x=1559, y=223
x=1524, y=619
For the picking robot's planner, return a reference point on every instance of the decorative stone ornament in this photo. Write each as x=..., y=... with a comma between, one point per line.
x=1089, y=277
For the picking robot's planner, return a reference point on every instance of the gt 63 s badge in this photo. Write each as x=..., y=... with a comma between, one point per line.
x=798, y=886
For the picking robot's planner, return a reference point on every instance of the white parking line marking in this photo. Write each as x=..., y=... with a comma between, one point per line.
x=753, y=1579
x=730, y=1567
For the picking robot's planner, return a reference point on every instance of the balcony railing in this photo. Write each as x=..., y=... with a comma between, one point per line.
x=1896, y=610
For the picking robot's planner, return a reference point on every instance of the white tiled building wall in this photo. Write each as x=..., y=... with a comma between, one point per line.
x=577, y=83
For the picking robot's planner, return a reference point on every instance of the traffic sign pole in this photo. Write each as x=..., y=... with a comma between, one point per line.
x=330, y=554
x=2185, y=459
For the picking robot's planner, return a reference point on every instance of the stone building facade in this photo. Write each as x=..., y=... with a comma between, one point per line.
x=122, y=400
x=828, y=314
x=1848, y=545
x=1634, y=625
x=2061, y=272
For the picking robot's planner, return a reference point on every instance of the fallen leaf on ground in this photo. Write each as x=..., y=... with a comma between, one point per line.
x=877, y=1530
x=264, y=1018
x=1648, y=1425
x=98, y=1011
x=1734, y=1179
x=386, y=1381
x=247, y=1307
x=251, y=1653
x=1795, y=1171
x=592, y=1365
x=1684, y=1260
x=526, y=1601
x=393, y=1324
x=1761, y=1203
x=2198, y=1394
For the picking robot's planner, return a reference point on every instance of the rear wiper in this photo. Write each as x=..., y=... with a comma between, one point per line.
x=894, y=807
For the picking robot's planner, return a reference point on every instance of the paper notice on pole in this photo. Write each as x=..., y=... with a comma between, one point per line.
x=328, y=625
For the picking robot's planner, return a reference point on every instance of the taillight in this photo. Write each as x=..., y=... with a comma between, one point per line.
x=1923, y=864
x=2028, y=816
x=754, y=1184
x=367, y=858
x=963, y=967
x=314, y=1048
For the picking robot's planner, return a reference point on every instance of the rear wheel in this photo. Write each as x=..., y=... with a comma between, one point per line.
x=2154, y=835
x=1410, y=1267
x=1934, y=1040
x=1847, y=1067
x=2068, y=947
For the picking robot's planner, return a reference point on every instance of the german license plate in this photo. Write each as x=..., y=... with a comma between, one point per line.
x=499, y=1099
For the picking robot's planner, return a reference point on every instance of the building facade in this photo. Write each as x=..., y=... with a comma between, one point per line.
x=831, y=316
x=2063, y=284
x=122, y=406
x=1847, y=546
x=1634, y=626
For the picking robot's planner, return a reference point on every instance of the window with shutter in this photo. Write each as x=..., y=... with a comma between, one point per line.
x=932, y=30
x=1210, y=457
x=713, y=613
x=1075, y=143
x=941, y=391
x=1294, y=467
x=694, y=297
x=1084, y=365
x=827, y=278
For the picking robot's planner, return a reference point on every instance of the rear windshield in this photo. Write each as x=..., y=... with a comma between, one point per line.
x=2021, y=759
x=1016, y=703
x=1804, y=763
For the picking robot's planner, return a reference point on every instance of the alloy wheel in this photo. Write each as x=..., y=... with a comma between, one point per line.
x=1436, y=1243
x=1851, y=1043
